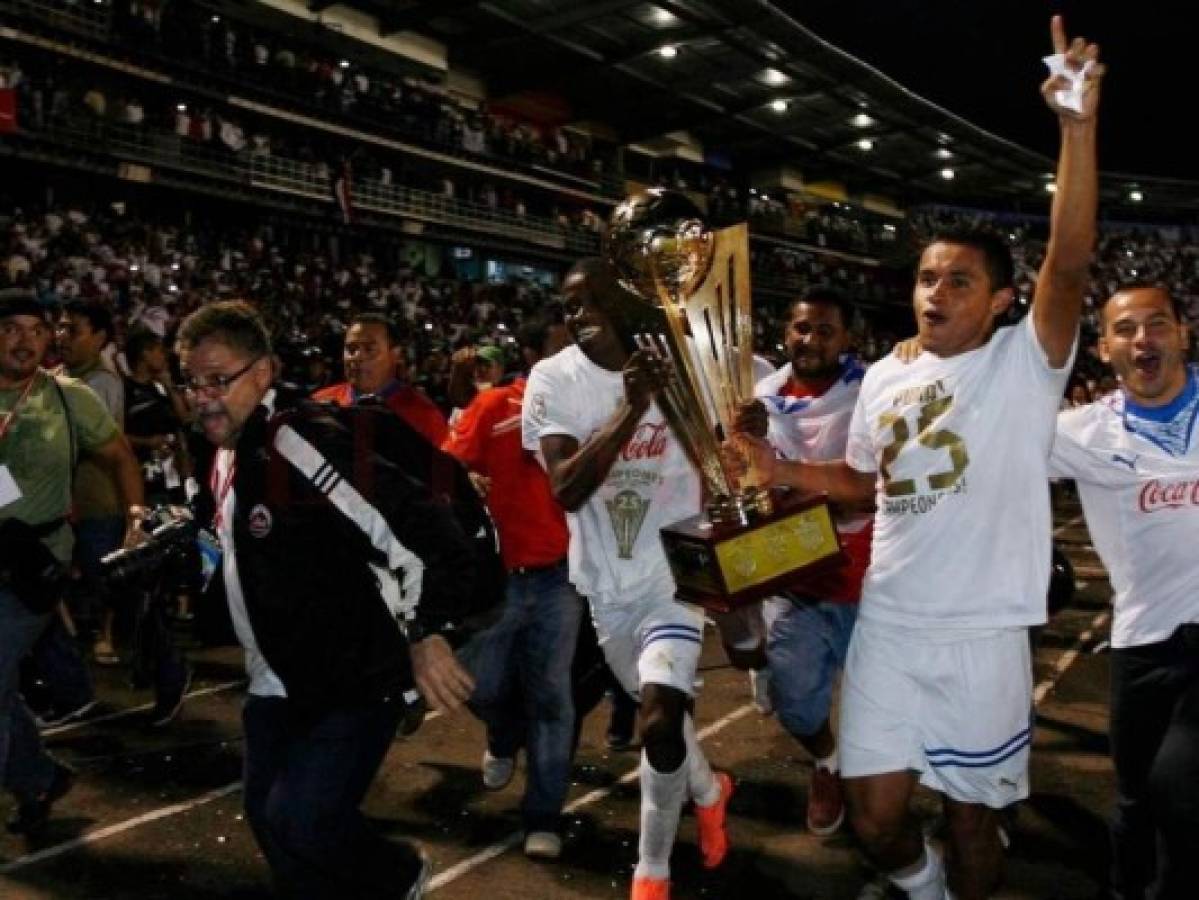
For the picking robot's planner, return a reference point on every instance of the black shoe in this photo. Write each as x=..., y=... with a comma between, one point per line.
x=168, y=704
x=621, y=725
x=32, y=815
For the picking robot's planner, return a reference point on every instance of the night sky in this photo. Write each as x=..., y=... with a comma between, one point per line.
x=981, y=59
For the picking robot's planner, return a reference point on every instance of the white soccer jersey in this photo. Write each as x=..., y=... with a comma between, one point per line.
x=1142, y=509
x=961, y=446
x=614, y=543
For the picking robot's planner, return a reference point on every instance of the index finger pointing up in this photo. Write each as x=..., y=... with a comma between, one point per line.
x=1058, y=32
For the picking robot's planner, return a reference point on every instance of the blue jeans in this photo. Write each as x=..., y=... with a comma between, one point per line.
x=521, y=666
x=25, y=767
x=806, y=645
x=305, y=777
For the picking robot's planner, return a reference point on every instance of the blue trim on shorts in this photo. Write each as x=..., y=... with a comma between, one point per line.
x=672, y=632
x=978, y=759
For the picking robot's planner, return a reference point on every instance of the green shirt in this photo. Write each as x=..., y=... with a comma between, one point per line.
x=37, y=450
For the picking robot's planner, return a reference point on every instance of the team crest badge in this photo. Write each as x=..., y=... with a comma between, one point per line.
x=627, y=511
x=260, y=521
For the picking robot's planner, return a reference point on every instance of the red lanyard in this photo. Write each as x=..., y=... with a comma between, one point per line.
x=12, y=413
x=220, y=490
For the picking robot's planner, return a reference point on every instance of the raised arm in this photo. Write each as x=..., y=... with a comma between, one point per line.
x=1057, y=301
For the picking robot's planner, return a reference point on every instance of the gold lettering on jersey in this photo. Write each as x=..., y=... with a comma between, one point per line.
x=898, y=433
x=922, y=394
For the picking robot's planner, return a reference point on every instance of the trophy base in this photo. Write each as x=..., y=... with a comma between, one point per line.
x=723, y=565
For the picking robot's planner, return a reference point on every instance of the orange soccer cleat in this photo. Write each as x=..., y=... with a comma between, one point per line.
x=650, y=889
x=713, y=841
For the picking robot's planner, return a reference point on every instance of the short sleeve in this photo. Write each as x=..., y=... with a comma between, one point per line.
x=1069, y=458
x=468, y=434
x=547, y=410
x=859, y=449
x=94, y=425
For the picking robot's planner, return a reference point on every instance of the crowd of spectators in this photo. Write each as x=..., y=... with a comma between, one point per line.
x=154, y=265
x=298, y=67
x=53, y=97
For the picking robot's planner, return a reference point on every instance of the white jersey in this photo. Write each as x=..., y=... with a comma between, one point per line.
x=961, y=447
x=1142, y=509
x=614, y=543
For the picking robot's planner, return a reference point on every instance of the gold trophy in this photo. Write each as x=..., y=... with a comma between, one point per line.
x=686, y=298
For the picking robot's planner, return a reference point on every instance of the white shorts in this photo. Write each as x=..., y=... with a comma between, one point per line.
x=650, y=638
x=958, y=710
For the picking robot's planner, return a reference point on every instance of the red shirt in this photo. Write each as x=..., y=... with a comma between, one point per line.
x=844, y=584
x=486, y=439
x=404, y=400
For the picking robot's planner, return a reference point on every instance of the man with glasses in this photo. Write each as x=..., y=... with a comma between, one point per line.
x=324, y=551
x=44, y=421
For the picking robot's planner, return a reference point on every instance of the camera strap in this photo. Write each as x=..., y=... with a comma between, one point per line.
x=16, y=407
x=66, y=411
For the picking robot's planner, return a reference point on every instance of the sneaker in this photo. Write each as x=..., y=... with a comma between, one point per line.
x=32, y=815
x=168, y=704
x=418, y=887
x=826, y=803
x=543, y=845
x=713, y=839
x=54, y=718
x=497, y=771
x=650, y=889
x=759, y=688
x=105, y=654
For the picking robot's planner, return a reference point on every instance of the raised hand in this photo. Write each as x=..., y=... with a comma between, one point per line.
x=644, y=374
x=1080, y=61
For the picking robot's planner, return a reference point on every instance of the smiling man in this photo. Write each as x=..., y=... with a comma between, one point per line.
x=618, y=470
x=954, y=450
x=1135, y=457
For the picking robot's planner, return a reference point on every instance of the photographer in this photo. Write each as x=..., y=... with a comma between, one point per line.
x=44, y=421
x=324, y=550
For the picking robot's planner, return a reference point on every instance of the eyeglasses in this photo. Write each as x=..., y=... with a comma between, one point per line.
x=216, y=384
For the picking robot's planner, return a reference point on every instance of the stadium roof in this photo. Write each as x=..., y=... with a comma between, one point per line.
x=749, y=84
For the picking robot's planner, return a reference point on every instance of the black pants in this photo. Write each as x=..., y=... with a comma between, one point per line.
x=1155, y=747
x=305, y=777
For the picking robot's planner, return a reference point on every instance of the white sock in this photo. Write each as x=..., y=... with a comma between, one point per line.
x=701, y=783
x=829, y=763
x=662, y=796
x=924, y=879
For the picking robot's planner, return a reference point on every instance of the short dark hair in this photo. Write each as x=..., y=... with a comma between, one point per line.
x=373, y=318
x=997, y=256
x=139, y=340
x=1143, y=285
x=97, y=313
x=825, y=295
x=533, y=333
x=234, y=323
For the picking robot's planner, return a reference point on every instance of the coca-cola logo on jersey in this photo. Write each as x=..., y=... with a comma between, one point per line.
x=1156, y=496
x=647, y=442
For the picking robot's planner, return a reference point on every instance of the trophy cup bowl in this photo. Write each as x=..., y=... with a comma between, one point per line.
x=684, y=295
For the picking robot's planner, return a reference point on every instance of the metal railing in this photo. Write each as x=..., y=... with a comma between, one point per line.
x=86, y=17
x=138, y=144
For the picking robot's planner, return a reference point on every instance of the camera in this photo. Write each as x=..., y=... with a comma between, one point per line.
x=170, y=551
